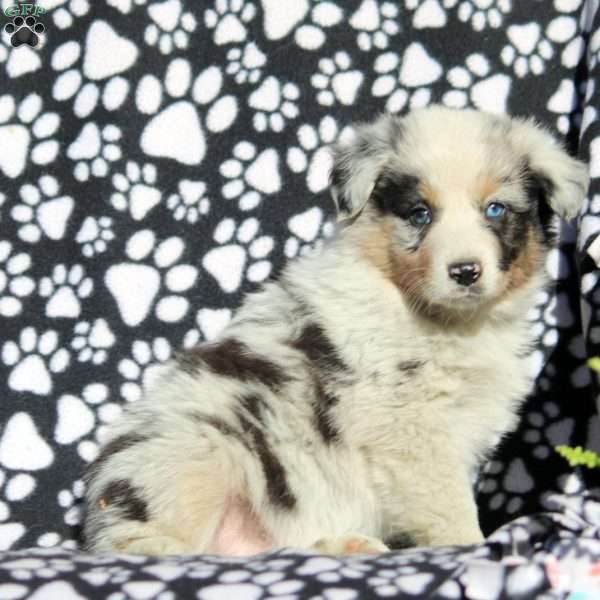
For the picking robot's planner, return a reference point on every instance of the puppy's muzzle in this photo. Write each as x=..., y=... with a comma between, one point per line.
x=466, y=273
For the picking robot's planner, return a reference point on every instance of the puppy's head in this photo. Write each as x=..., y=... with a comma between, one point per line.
x=456, y=207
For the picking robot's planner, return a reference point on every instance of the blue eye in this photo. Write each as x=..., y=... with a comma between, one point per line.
x=495, y=210
x=420, y=217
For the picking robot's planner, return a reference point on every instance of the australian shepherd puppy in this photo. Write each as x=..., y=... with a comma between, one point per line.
x=348, y=405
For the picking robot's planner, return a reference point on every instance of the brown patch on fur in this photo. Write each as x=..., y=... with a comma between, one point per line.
x=485, y=186
x=525, y=265
x=376, y=248
x=410, y=272
x=429, y=194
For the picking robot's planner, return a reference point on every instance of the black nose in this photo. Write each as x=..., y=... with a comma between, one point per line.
x=466, y=273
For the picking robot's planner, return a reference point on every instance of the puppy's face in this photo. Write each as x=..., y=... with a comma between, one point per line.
x=455, y=207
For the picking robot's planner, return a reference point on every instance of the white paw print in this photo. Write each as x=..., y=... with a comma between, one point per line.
x=86, y=83
x=181, y=115
x=528, y=49
x=2, y=203
x=476, y=84
x=136, y=193
x=171, y=27
x=17, y=63
x=250, y=175
x=240, y=253
x=308, y=230
x=274, y=104
x=210, y=323
x=64, y=16
x=42, y=211
x=417, y=70
x=566, y=31
x=190, y=202
x=33, y=361
x=229, y=19
x=92, y=340
x=312, y=156
x=481, y=13
x=14, y=488
x=65, y=290
x=94, y=235
x=376, y=22
x=566, y=102
x=93, y=150
x=245, y=63
x=336, y=80
x=14, y=283
x=157, y=274
x=126, y=6
x=84, y=420
x=72, y=501
x=26, y=134
x=145, y=365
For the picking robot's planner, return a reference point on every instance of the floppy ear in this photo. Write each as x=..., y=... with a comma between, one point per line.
x=562, y=180
x=358, y=162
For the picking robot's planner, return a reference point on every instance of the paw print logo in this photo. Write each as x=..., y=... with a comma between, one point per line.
x=376, y=23
x=308, y=230
x=336, y=80
x=250, y=175
x=528, y=49
x=240, y=253
x=274, y=103
x=406, y=81
x=65, y=290
x=144, y=367
x=42, y=211
x=171, y=27
x=245, y=63
x=189, y=146
x=229, y=20
x=312, y=156
x=14, y=283
x=34, y=360
x=94, y=150
x=481, y=13
x=94, y=235
x=190, y=203
x=136, y=193
x=92, y=340
x=155, y=269
x=475, y=84
x=27, y=131
x=24, y=31
x=83, y=420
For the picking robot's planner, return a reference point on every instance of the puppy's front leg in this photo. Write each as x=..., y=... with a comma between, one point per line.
x=436, y=507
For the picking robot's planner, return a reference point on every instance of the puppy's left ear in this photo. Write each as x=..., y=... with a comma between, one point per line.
x=564, y=180
x=357, y=163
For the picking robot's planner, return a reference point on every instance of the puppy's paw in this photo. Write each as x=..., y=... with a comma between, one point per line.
x=351, y=543
x=155, y=545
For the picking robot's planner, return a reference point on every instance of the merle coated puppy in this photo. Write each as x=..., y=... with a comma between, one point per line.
x=352, y=401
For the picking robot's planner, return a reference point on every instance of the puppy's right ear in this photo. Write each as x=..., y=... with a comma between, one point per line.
x=358, y=162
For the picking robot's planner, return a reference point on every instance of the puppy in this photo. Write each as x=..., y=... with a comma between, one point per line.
x=349, y=405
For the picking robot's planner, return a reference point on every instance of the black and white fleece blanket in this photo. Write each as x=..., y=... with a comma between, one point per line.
x=160, y=158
